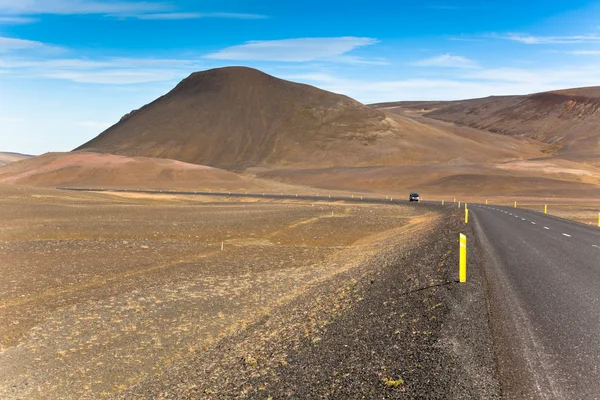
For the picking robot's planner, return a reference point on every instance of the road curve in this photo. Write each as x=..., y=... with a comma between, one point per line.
x=543, y=282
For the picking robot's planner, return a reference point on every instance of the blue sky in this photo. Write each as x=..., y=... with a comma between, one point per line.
x=71, y=68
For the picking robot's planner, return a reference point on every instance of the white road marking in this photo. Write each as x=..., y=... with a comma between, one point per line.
x=566, y=234
x=546, y=227
x=533, y=222
x=598, y=247
x=523, y=219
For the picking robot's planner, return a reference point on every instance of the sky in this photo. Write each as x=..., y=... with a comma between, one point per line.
x=71, y=68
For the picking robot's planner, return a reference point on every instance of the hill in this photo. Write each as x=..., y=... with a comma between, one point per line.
x=7, y=158
x=236, y=118
x=567, y=119
x=85, y=169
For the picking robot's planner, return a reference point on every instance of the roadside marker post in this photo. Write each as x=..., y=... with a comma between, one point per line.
x=466, y=206
x=442, y=202
x=515, y=204
x=545, y=209
x=598, y=219
x=466, y=215
x=462, y=269
x=459, y=204
x=486, y=201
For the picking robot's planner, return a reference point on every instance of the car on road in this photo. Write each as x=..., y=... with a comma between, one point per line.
x=414, y=197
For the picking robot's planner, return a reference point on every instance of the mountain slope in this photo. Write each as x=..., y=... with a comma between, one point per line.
x=7, y=158
x=568, y=119
x=85, y=169
x=236, y=118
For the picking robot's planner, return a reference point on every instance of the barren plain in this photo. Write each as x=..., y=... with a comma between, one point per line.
x=101, y=292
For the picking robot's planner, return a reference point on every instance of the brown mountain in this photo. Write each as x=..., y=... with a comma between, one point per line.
x=236, y=118
x=85, y=169
x=7, y=158
x=568, y=119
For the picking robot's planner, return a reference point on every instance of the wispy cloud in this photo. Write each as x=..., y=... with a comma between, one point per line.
x=584, y=52
x=447, y=61
x=195, y=15
x=530, y=39
x=113, y=71
x=455, y=86
x=7, y=44
x=16, y=20
x=292, y=50
x=31, y=7
x=17, y=10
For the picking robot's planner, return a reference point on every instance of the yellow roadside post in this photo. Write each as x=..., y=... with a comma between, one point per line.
x=459, y=204
x=598, y=219
x=466, y=215
x=454, y=200
x=442, y=202
x=486, y=201
x=515, y=204
x=462, y=269
x=466, y=206
x=545, y=209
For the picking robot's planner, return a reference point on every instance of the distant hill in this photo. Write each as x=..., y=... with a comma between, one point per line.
x=568, y=119
x=85, y=169
x=236, y=118
x=7, y=158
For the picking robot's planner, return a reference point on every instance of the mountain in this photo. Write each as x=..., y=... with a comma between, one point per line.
x=7, y=158
x=569, y=119
x=236, y=118
x=85, y=169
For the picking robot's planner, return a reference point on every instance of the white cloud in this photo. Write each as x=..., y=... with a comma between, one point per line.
x=13, y=11
x=16, y=20
x=118, y=71
x=292, y=50
x=474, y=84
x=83, y=63
x=447, y=61
x=29, y=7
x=530, y=39
x=7, y=44
x=195, y=15
x=585, y=52
x=116, y=77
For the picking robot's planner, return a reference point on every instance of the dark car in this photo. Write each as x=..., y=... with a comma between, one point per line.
x=414, y=197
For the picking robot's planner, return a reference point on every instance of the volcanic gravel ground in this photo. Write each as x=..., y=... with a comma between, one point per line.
x=397, y=326
x=104, y=296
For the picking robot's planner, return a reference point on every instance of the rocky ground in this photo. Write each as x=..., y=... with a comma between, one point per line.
x=108, y=296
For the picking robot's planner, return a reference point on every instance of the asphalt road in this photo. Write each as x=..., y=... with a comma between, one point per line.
x=543, y=280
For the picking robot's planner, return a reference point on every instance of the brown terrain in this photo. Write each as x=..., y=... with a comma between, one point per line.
x=7, y=158
x=566, y=119
x=101, y=292
x=237, y=118
x=84, y=169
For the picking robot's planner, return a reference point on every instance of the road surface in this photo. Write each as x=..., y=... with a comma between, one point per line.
x=543, y=278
